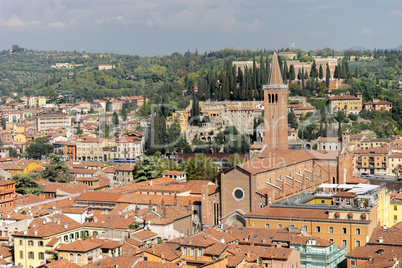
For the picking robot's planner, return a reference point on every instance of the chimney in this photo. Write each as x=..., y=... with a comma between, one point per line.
x=95, y=219
x=380, y=240
x=164, y=212
x=175, y=201
x=66, y=225
x=150, y=205
x=36, y=232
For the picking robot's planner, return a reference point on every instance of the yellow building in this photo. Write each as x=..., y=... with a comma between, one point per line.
x=20, y=138
x=90, y=149
x=36, y=244
x=346, y=217
x=41, y=101
x=347, y=104
x=80, y=252
x=182, y=118
x=22, y=166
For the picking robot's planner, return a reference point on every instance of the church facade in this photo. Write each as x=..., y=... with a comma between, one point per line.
x=278, y=173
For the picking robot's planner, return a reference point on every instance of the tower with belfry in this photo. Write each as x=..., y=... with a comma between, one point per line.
x=275, y=109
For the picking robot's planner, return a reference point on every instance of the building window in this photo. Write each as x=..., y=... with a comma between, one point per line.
x=344, y=242
x=304, y=228
x=31, y=255
x=352, y=262
x=79, y=259
x=71, y=259
x=317, y=229
x=21, y=254
x=185, y=251
x=20, y=242
x=199, y=252
x=357, y=230
x=41, y=256
x=267, y=225
x=344, y=230
x=357, y=243
x=395, y=217
x=331, y=230
x=30, y=243
x=279, y=226
x=65, y=237
x=192, y=251
x=40, y=243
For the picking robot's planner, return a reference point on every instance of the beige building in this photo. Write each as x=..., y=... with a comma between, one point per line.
x=36, y=244
x=90, y=149
x=348, y=104
x=52, y=121
x=371, y=161
x=80, y=252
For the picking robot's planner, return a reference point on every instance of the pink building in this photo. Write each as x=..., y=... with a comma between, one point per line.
x=378, y=105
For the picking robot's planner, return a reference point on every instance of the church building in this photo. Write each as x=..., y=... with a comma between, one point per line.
x=278, y=173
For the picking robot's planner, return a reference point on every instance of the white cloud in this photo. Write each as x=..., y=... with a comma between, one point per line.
x=57, y=24
x=14, y=21
x=396, y=12
x=366, y=31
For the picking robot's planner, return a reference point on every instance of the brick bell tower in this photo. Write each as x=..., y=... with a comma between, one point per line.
x=275, y=109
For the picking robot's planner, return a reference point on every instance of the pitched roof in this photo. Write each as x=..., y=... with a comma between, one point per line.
x=79, y=246
x=62, y=263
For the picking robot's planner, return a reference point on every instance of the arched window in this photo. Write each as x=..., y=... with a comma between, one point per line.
x=79, y=259
x=71, y=258
x=269, y=98
x=276, y=98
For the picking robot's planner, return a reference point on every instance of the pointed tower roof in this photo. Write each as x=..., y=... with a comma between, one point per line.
x=275, y=77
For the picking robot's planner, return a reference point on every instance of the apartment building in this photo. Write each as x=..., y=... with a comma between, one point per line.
x=344, y=214
x=347, y=104
x=38, y=243
x=371, y=161
x=90, y=148
x=52, y=121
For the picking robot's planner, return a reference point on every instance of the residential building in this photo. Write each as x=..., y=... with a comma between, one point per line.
x=383, y=249
x=128, y=149
x=329, y=143
x=378, y=105
x=52, y=121
x=7, y=194
x=90, y=148
x=347, y=104
x=344, y=214
x=80, y=252
x=288, y=54
x=181, y=117
x=38, y=243
x=371, y=161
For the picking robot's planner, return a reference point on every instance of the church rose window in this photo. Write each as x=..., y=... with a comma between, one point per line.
x=238, y=193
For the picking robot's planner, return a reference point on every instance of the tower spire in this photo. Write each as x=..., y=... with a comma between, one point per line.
x=275, y=76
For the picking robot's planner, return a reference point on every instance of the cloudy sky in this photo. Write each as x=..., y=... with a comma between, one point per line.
x=157, y=27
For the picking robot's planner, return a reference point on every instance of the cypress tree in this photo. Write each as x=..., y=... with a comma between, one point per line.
x=241, y=85
x=230, y=78
x=302, y=77
x=327, y=76
x=292, y=74
x=262, y=71
x=336, y=72
x=254, y=75
x=321, y=72
x=356, y=73
x=299, y=75
x=313, y=72
x=285, y=70
x=225, y=87
x=267, y=70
